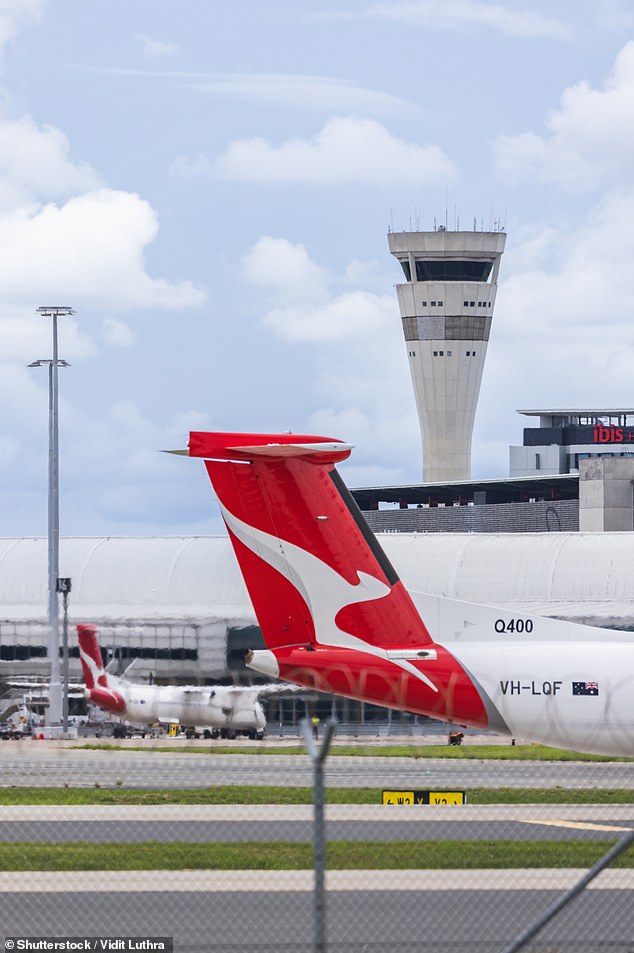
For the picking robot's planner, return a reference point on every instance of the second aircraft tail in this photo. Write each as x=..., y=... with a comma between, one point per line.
x=98, y=684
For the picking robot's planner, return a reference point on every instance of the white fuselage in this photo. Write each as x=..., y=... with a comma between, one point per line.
x=560, y=683
x=221, y=707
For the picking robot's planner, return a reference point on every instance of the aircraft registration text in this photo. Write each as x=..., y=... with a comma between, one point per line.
x=509, y=687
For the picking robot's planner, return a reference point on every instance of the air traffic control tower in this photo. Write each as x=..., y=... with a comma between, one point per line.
x=446, y=305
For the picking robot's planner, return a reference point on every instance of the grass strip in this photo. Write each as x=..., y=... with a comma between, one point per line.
x=256, y=794
x=280, y=855
x=464, y=752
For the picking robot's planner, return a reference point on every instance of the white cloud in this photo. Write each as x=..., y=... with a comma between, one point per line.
x=458, y=14
x=35, y=163
x=277, y=264
x=590, y=142
x=562, y=333
x=26, y=336
x=308, y=310
x=346, y=150
x=118, y=333
x=358, y=374
x=13, y=15
x=581, y=276
x=88, y=250
x=347, y=316
x=152, y=47
x=293, y=90
x=113, y=472
x=326, y=93
x=65, y=238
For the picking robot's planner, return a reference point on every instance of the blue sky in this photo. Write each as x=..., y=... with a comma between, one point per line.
x=210, y=186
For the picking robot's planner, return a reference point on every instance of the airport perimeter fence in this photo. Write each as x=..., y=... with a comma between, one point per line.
x=120, y=847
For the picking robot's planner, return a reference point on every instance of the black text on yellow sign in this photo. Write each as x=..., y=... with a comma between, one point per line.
x=424, y=797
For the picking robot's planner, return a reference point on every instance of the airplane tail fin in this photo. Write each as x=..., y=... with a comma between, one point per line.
x=99, y=688
x=95, y=674
x=314, y=570
x=333, y=612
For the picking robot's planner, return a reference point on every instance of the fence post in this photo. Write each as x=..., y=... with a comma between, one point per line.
x=528, y=934
x=318, y=756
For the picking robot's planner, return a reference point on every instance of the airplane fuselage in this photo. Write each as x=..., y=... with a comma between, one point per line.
x=220, y=707
x=558, y=683
x=336, y=617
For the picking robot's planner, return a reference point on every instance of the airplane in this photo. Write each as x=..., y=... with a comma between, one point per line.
x=336, y=617
x=223, y=710
x=17, y=720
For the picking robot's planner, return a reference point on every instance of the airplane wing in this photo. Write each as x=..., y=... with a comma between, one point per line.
x=274, y=688
x=284, y=688
x=25, y=683
x=40, y=690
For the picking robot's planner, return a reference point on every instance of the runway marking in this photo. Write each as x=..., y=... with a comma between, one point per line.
x=380, y=813
x=575, y=825
x=301, y=881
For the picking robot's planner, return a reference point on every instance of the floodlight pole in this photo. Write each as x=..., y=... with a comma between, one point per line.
x=55, y=691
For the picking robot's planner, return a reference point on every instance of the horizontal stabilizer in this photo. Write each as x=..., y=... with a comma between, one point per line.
x=246, y=446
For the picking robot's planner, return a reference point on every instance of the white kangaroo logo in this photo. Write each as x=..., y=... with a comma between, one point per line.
x=324, y=590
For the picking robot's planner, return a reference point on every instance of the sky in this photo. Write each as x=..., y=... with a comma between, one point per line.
x=210, y=187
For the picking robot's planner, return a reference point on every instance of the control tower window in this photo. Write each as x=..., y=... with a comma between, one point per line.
x=445, y=270
x=406, y=270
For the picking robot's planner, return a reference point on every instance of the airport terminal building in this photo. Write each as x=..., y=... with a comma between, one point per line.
x=178, y=606
x=555, y=539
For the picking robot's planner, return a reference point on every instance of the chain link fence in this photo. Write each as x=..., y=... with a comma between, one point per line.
x=176, y=845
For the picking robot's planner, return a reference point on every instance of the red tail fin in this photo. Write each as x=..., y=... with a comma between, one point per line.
x=90, y=656
x=314, y=571
x=333, y=612
x=98, y=688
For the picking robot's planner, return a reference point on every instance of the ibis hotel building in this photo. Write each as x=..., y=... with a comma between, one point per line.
x=563, y=437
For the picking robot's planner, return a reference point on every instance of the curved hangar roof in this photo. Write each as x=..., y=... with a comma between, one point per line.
x=587, y=577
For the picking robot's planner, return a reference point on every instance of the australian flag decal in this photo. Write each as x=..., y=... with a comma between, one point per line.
x=585, y=688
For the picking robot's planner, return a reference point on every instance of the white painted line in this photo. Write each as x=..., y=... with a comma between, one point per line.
x=576, y=825
x=383, y=813
x=294, y=881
